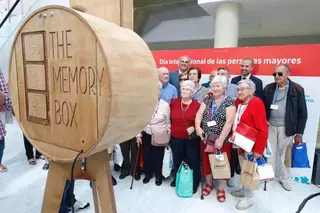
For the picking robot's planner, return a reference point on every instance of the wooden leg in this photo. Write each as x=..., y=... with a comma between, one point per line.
x=98, y=167
x=56, y=181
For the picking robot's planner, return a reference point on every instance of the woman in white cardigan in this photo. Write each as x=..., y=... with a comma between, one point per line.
x=154, y=138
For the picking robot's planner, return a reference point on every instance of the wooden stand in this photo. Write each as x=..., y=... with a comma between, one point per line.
x=97, y=171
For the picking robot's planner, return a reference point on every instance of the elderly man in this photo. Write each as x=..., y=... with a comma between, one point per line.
x=211, y=76
x=246, y=69
x=5, y=105
x=184, y=63
x=287, y=115
x=232, y=90
x=169, y=92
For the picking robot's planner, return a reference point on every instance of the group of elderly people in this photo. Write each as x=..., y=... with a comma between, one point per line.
x=207, y=111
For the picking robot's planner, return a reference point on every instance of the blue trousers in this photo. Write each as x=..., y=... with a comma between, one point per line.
x=2, y=145
x=68, y=198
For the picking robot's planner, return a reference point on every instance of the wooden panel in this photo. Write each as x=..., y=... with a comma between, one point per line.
x=34, y=47
x=36, y=77
x=37, y=106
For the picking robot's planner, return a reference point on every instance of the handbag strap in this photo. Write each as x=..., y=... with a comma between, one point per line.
x=183, y=114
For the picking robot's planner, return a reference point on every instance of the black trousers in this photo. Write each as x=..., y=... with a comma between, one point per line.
x=152, y=157
x=128, y=148
x=188, y=151
x=29, y=149
x=234, y=163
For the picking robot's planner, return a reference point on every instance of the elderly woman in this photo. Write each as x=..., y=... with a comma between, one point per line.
x=216, y=116
x=183, y=114
x=250, y=111
x=154, y=138
x=194, y=74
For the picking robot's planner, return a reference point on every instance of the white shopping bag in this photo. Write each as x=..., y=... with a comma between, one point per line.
x=167, y=163
x=117, y=155
x=266, y=172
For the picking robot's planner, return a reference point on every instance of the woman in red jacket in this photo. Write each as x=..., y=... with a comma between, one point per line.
x=250, y=111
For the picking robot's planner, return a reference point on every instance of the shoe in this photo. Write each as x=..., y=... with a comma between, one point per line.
x=114, y=181
x=238, y=193
x=285, y=185
x=146, y=179
x=221, y=196
x=137, y=177
x=173, y=183
x=116, y=167
x=244, y=204
x=207, y=190
x=78, y=206
x=3, y=168
x=230, y=182
x=123, y=176
x=45, y=166
x=158, y=181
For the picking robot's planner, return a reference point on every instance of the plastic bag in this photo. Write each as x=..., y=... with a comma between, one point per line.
x=184, y=181
x=117, y=155
x=167, y=162
x=300, y=156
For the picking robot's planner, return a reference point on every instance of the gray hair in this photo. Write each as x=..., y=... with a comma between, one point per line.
x=162, y=69
x=249, y=83
x=221, y=80
x=188, y=84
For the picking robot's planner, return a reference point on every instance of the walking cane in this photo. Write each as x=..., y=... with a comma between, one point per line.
x=201, y=168
x=135, y=166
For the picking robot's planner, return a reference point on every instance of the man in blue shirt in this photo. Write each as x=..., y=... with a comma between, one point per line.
x=169, y=92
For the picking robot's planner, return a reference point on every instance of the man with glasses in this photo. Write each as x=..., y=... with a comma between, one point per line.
x=246, y=69
x=287, y=115
x=184, y=63
x=231, y=88
x=211, y=76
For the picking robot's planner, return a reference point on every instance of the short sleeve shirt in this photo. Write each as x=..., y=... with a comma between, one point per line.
x=219, y=117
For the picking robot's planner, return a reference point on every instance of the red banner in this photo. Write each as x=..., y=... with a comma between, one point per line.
x=303, y=59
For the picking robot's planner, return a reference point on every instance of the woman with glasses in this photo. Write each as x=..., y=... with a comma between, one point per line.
x=214, y=120
x=251, y=112
x=194, y=74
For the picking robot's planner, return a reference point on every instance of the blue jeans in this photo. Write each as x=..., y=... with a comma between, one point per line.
x=68, y=198
x=2, y=145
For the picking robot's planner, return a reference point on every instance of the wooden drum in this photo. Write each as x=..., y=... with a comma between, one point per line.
x=79, y=82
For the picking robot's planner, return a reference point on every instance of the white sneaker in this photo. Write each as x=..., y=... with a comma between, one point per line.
x=285, y=185
x=238, y=193
x=78, y=206
x=244, y=204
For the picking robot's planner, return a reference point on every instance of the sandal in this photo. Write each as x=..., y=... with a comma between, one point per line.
x=32, y=161
x=221, y=196
x=3, y=168
x=207, y=190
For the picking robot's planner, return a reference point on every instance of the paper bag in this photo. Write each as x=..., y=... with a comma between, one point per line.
x=249, y=177
x=288, y=157
x=220, y=166
x=266, y=172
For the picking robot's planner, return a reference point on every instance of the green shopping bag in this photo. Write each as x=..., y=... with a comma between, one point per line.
x=184, y=181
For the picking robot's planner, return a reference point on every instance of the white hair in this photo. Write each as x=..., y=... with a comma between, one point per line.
x=162, y=69
x=251, y=85
x=220, y=80
x=188, y=84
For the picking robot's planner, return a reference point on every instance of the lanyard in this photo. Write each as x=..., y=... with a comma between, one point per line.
x=241, y=111
x=214, y=110
x=277, y=94
x=194, y=94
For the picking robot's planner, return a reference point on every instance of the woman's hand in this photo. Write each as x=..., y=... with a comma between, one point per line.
x=200, y=133
x=219, y=143
x=139, y=141
x=257, y=155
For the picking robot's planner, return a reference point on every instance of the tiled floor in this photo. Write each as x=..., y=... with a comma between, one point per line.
x=22, y=189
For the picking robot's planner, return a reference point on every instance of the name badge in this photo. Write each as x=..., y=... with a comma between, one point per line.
x=211, y=123
x=273, y=106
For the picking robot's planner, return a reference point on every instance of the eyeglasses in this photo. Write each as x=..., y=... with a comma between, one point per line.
x=277, y=73
x=183, y=79
x=242, y=89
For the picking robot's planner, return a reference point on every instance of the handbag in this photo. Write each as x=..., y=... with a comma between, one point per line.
x=265, y=171
x=167, y=162
x=300, y=156
x=184, y=181
x=244, y=137
x=160, y=138
x=193, y=136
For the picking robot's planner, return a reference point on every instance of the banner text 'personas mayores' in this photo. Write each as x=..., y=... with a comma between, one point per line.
x=303, y=59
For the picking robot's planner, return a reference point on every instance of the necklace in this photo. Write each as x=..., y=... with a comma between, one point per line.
x=184, y=109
